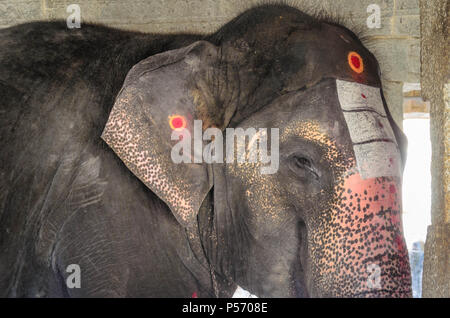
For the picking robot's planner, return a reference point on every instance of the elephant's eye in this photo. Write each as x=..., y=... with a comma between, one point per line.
x=303, y=166
x=302, y=162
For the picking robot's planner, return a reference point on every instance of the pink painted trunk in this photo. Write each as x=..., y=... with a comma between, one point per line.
x=367, y=254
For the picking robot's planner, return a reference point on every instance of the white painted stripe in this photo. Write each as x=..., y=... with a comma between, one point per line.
x=351, y=98
x=375, y=146
x=378, y=159
x=368, y=126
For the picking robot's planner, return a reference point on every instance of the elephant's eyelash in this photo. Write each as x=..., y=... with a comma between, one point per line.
x=306, y=164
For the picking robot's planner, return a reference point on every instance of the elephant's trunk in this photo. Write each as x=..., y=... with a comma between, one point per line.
x=365, y=254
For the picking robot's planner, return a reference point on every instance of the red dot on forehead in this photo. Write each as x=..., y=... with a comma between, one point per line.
x=355, y=61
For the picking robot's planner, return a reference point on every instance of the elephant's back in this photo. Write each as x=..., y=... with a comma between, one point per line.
x=56, y=89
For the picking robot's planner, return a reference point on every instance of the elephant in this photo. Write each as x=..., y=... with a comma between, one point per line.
x=89, y=185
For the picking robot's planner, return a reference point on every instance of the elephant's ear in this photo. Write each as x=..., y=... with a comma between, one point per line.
x=169, y=85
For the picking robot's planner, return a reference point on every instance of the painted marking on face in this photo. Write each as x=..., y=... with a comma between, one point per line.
x=355, y=62
x=374, y=142
x=177, y=122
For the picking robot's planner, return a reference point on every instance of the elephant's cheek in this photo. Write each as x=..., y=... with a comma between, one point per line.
x=365, y=253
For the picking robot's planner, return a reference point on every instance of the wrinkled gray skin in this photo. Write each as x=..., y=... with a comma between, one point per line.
x=74, y=192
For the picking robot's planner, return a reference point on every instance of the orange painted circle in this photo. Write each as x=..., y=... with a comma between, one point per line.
x=177, y=122
x=356, y=62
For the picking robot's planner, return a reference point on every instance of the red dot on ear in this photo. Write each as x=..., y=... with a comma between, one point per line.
x=177, y=122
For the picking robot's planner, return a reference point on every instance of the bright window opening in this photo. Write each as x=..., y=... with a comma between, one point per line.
x=416, y=184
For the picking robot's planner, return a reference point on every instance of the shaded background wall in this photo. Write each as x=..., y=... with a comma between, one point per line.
x=397, y=45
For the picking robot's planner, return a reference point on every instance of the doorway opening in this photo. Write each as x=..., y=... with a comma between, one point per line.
x=416, y=180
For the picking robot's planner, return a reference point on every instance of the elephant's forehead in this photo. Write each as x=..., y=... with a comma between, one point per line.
x=313, y=131
x=314, y=115
x=328, y=52
x=310, y=130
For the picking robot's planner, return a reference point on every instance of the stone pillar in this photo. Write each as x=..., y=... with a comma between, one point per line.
x=434, y=76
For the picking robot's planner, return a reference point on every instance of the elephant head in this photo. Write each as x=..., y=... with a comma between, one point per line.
x=327, y=222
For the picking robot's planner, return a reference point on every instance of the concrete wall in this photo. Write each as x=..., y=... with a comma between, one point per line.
x=396, y=43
